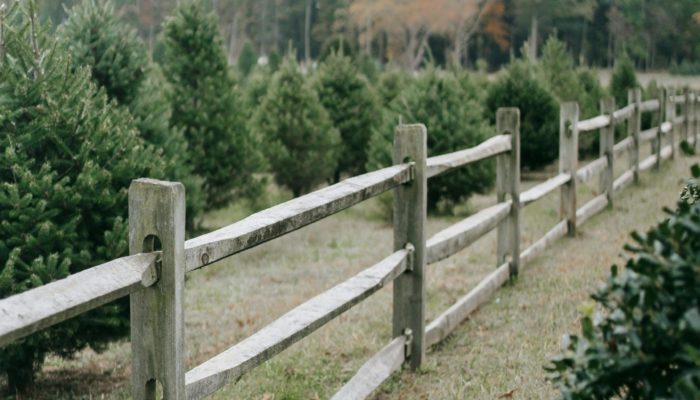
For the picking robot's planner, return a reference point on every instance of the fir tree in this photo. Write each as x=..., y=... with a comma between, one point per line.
x=300, y=141
x=623, y=79
x=69, y=155
x=205, y=104
x=557, y=71
x=353, y=108
x=248, y=59
x=118, y=62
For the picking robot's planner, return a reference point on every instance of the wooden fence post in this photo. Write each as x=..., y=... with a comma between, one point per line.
x=686, y=113
x=508, y=182
x=157, y=222
x=671, y=117
x=568, y=161
x=410, y=209
x=634, y=96
x=607, y=144
x=661, y=96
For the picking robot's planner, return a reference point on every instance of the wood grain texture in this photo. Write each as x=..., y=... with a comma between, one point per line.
x=460, y=235
x=445, y=323
x=508, y=184
x=440, y=164
x=540, y=190
x=607, y=151
x=649, y=134
x=374, y=372
x=649, y=105
x=592, y=169
x=568, y=162
x=623, y=180
x=622, y=114
x=47, y=305
x=157, y=210
x=535, y=249
x=291, y=215
x=296, y=324
x=634, y=128
x=591, y=208
x=594, y=123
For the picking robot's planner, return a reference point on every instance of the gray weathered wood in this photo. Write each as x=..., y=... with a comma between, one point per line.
x=438, y=165
x=670, y=118
x=375, y=371
x=508, y=183
x=648, y=162
x=448, y=321
x=634, y=124
x=157, y=213
x=296, y=324
x=554, y=234
x=666, y=127
x=568, y=161
x=591, y=208
x=607, y=150
x=594, y=123
x=623, y=180
x=649, y=134
x=623, y=113
x=291, y=215
x=47, y=305
x=542, y=189
x=649, y=105
x=623, y=146
x=687, y=113
x=454, y=238
x=594, y=168
x=666, y=152
x=410, y=209
x=661, y=116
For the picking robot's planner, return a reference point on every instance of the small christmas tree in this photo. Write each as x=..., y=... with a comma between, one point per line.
x=623, y=79
x=205, y=104
x=118, y=61
x=69, y=155
x=248, y=59
x=301, y=143
x=353, y=108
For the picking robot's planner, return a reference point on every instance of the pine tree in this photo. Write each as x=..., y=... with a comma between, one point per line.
x=623, y=79
x=557, y=71
x=301, y=143
x=117, y=58
x=455, y=120
x=247, y=60
x=205, y=104
x=353, y=108
x=69, y=155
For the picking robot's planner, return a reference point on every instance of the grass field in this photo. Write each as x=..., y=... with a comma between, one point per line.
x=502, y=348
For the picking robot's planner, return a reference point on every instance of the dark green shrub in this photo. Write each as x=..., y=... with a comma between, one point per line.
x=685, y=68
x=205, y=103
x=643, y=341
x=68, y=157
x=539, y=113
x=248, y=59
x=623, y=79
x=301, y=143
x=274, y=60
x=454, y=120
x=116, y=57
x=353, y=108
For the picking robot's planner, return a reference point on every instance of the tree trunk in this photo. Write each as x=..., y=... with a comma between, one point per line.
x=307, y=32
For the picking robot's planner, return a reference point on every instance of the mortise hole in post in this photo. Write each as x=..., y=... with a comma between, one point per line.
x=151, y=243
x=154, y=389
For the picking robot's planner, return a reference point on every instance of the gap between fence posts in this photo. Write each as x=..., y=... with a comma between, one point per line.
x=157, y=217
x=607, y=145
x=508, y=182
x=568, y=162
x=634, y=124
x=410, y=209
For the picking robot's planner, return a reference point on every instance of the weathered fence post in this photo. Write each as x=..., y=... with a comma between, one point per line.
x=634, y=96
x=686, y=113
x=671, y=117
x=661, y=96
x=157, y=222
x=568, y=161
x=508, y=182
x=410, y=208
x=607, y=144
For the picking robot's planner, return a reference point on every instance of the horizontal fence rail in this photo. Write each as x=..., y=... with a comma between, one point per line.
x=155, y=279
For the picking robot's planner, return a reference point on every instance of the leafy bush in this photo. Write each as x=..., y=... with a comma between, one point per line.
x=300, y=141
x=206, y=105
x=353, y=108
x=623, y=79
x=454, y=120
x=68, y=157
x=644, y=341
x=539, y=113
x=96, y=38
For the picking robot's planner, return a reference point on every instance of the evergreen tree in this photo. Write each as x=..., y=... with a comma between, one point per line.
x=205, y=104
x=353, y=108
x=118, y=62
x=274, y=60
x=454, y=120
x=301, y=143
x=248, y=59
x=557, y=71
x=539, y=113
x=623, y=79
x=69, y=155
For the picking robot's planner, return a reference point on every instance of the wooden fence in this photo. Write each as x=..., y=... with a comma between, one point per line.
x=154, y=274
